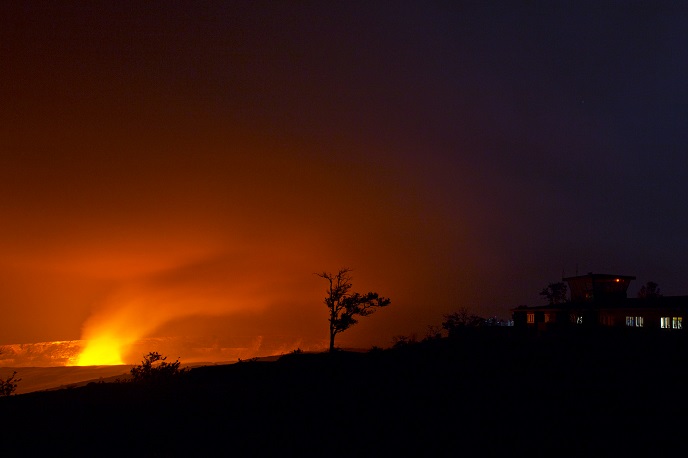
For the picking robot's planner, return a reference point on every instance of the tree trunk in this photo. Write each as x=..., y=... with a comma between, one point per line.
x=332, y=333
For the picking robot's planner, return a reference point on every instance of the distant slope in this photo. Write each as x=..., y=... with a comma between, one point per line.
x=44, y=378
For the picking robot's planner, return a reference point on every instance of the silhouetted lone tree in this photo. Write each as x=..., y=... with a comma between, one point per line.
x=649, y=290
x=154, y=368
x=555, y=293
x=344, y=305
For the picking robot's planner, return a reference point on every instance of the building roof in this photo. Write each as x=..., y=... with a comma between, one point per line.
x=601, y=277
x=654, y=303
x=598, y=287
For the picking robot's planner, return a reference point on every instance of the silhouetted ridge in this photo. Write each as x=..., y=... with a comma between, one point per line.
x=479, y=392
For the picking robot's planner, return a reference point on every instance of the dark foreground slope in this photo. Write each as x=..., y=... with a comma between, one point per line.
x=483, y=393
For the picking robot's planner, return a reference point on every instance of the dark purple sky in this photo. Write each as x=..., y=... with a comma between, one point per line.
x=205, y=159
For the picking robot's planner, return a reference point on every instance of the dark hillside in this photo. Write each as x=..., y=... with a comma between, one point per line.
x=486, y=392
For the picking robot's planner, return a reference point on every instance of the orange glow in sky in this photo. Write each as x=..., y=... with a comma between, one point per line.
x=170, y=173
x=159, y=183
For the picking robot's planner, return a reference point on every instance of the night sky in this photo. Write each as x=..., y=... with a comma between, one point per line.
x=173, y=168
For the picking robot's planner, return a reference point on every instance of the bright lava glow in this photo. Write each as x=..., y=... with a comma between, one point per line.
x=104, y=351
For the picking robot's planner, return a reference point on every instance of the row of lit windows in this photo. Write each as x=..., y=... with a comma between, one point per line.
x=674, y=322
x=666, y=322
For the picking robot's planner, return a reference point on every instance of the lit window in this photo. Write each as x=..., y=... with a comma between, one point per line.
x=636, y=321
x=665, y=322
x=548, y=317
x=579, y=320
x=677, y=322
x=531, y=318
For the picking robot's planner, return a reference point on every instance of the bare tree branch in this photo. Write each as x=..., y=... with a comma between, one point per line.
x=344, y=306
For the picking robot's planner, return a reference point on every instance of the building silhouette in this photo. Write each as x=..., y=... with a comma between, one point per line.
x=599, y=300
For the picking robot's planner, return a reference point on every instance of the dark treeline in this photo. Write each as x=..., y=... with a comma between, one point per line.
x=483, y=391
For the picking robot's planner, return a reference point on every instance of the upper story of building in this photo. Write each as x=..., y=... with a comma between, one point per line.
x=598, y=287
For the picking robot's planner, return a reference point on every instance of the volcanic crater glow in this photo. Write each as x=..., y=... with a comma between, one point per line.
x=101, y=351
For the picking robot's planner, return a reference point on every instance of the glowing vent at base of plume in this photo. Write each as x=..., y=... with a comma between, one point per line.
x=100, y=352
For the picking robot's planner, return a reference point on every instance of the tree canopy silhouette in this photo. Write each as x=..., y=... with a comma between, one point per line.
x=555, y=293
x=154, y=368
x=344, y=305
x=649, y=290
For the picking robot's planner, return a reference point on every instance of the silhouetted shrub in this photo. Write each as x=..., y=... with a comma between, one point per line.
x=403, y=341
x=433, y=333
x=154, y=368
x=9, y=385
x=249, y=360
x=455, y=322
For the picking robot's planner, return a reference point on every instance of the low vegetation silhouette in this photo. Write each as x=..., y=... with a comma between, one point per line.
x=459, y=323
x=473, y=392
x=345, y=306
x=460, y=320
x=402, y=341
x=9, y=385
x=155, y=368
